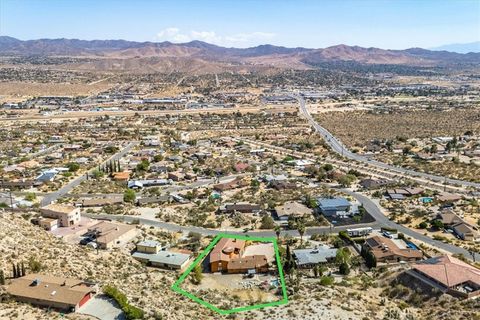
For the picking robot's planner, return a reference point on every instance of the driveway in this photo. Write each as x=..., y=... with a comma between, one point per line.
x=103, y=308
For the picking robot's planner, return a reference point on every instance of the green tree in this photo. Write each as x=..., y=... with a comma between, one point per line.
x=267, y=222
x=277, y=230
x=437, y=224
x=129, y=196
x=24, y=273
x=289, y=263
x=347, y=180
x=30, y=196
x=73, y=166
x=197, y=274
x=343, y=256
x=143, y=165
x=344, y=268
x=97, y=174
x=301, y=230
x=34, y=265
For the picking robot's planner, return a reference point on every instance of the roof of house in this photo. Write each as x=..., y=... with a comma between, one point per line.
x=448, y=270
x=449, y=217
x=56, y=207
x=445, y=196
x=242, y=206
x=383, y=247
x=101, y=201
x=249, y=262
x=332, y=203
x=49, y=288
x=261, y=249
x=166, y=257
x=123, y=175
x=292, y=208
x=149, y=243
x=464, y=228
x=218, y=253
x=110, y=231
x=314, y=255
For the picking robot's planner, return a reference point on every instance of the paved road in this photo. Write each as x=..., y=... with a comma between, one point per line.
x=340, y=148
x=49, y=198
x=372, y=207
x=172, y=227
x=376, y=211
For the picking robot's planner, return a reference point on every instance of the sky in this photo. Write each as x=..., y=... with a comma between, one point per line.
x=394, y=24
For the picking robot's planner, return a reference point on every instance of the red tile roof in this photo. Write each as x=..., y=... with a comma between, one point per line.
x=448, y=270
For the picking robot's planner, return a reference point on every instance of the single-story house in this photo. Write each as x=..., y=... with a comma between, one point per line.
x=151, y=253
x=291, y=209
x=243, y=207
x=112, y=234
x=99, y=202
x=385, y=250
x=333, y=206
x=466, y=231
x=52, y=292
x=449, y=275
x=151, y=200
x=309, y=258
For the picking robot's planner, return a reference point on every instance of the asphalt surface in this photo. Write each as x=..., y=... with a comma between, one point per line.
x=51, y=197
x=372, y=208
x=340, y=148
x=375, y=211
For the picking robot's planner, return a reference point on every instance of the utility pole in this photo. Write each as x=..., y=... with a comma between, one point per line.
x=11, y=199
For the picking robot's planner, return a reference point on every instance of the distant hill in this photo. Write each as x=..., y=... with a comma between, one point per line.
x=198, y=55
x=460, y=47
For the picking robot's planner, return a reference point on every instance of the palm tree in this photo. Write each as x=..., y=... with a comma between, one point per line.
x=277, y=232
x=301, y=230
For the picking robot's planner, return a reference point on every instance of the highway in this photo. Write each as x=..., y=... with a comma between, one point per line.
x=51, y=197
x=339, y=148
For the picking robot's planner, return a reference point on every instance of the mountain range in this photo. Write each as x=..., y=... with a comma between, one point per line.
x=460, y=47
x=200, y=56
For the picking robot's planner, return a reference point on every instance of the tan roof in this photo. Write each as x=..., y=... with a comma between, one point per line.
x=448, y=270
x=110, y=231
x=292, y=209
x=383, y=247
x=225, y=245
x=59, y=208
x=49, y=288
x=464, y=228
x=245, y=263
x=261, y=249
x=449, y=218
x=123, y=175
x=445, y=196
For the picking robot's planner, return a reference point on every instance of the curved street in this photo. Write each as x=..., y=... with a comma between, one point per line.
x=341, y=149
x=375, y=210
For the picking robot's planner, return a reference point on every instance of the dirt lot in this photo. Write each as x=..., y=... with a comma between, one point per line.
x=356, y=128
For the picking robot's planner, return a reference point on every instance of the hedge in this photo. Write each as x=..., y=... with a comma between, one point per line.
x=131, y=312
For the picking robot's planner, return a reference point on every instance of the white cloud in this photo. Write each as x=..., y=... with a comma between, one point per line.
x=174, y=34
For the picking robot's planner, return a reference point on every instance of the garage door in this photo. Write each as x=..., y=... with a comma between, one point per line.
x=84, y=299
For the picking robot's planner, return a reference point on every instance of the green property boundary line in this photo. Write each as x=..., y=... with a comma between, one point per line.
x=284, y=300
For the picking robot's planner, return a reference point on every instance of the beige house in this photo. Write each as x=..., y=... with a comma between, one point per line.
x=112, y=234
x=52, y=292
x=65, y=214
x=48, y=224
